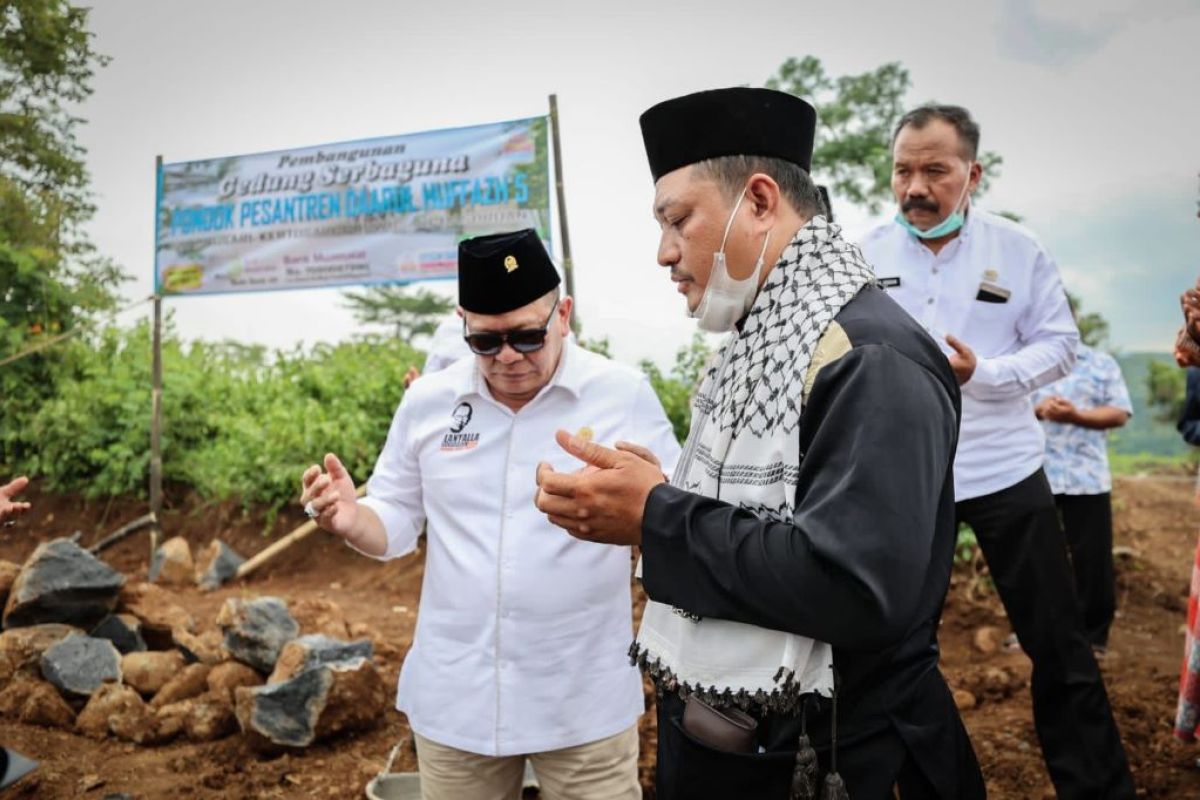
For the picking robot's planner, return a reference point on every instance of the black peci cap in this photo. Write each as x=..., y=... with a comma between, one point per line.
x=728, y=122
x=502, y=272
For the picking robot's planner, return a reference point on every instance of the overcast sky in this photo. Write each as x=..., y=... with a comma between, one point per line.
x=1092, y=105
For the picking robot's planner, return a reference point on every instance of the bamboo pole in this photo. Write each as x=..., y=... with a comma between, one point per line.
x=568, y=266
x=156, y=464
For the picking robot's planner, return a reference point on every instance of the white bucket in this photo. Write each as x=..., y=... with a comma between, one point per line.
x=396, y=786
x=388, y=785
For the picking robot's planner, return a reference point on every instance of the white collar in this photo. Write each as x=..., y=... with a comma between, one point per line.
x=568, y=375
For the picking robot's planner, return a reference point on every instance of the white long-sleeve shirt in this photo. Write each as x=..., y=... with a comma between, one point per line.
x=523, y=632
x=997, y=289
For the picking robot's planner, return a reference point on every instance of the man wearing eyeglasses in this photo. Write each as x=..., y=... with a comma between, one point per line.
x=520, y=646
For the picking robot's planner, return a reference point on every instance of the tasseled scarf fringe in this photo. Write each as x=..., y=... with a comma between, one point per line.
x=787, y=698
x=804, y=771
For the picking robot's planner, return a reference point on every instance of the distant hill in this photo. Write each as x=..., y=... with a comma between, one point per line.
x=1144, y=434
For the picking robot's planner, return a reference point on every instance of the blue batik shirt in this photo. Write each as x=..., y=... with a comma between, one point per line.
x=1077, y=457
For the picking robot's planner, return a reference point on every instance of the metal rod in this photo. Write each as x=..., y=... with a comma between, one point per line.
x=144, y=521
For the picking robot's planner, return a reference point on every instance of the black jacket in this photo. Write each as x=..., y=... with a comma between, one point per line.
x=865, y=562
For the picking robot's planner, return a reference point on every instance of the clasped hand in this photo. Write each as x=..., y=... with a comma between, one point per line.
x=603, y=501
x=1057, y=409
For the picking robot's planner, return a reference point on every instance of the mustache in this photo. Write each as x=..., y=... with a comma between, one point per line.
x=918, y=204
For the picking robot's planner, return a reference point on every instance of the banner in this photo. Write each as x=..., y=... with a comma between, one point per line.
x=373, y=211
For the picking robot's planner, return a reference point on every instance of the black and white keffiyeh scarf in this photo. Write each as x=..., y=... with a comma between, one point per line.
x=744, y=448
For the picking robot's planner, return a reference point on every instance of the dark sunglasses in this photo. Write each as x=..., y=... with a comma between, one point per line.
x=527, y=340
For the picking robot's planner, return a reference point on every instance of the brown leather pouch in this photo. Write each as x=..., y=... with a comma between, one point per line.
x=728, y=729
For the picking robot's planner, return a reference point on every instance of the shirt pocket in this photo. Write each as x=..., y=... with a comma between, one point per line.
x=991, y=328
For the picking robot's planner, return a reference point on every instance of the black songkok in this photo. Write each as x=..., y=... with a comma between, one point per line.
x=728, y=122
x=502, y=272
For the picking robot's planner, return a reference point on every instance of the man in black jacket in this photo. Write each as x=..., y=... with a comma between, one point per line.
x=810, y=523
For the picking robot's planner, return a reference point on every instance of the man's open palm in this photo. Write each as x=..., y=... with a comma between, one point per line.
x=332, y=495
x=8, y=506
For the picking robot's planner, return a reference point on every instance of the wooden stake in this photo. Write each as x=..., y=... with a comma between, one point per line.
x=287, y=541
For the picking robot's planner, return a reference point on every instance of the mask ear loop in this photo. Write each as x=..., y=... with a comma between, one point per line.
x=758, y=268
x=965, y=190
x=763, y=253
x=729, y=224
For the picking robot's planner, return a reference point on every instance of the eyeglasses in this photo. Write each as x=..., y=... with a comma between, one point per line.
x=526, y=340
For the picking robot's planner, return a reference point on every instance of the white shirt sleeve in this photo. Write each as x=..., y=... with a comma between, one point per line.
x=650, y=427
x=1048, y=338
x=437, y=361
x=394, y=489
x=446, y=345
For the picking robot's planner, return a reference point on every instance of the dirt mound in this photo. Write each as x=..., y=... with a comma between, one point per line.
x=1155, y=525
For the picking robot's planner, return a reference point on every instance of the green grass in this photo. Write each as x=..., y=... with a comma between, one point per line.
x=1147, y=432
x=1139, y=463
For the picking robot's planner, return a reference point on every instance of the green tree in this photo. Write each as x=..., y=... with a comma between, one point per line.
x=46, y=68
x=1093, y=327
x=407, y=314
x=601, y=347
x=1166, y=385
x=244, y=422
x=856, y=115
x=51, y=278
x=675, y=389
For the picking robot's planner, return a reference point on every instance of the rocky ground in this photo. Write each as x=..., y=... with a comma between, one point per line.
x=328, y=589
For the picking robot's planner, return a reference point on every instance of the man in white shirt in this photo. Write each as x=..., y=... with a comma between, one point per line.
x=521, y=640
x=445, y=347
x=987, y=288
x=1077, y=412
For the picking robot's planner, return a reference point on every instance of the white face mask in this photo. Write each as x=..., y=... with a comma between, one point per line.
x=725, y=300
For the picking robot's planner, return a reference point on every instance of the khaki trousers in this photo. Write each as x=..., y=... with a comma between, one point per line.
x=602, y=770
